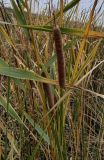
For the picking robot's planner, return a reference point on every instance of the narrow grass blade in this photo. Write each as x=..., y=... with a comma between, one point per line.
x=92, y=92
x=88, y=73
x=88, y=60
x=37, y=128
x=69, y=6
x=6, y=36
x=11, y=111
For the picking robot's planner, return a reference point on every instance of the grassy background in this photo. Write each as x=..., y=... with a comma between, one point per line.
x=40, y=120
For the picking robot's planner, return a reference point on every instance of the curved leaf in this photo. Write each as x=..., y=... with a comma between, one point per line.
x=22, y=73
x=11, y=111
x=37, y=128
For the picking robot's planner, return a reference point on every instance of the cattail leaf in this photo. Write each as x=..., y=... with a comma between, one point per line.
x=22, y=2
x=16, y=81
x=19, y=15
x=17, y=12
x=37, y=128
x=11, y=110
x=42, y=133
x=71, y=5
x=14, y=114
x=22, y=73
x=72, y=31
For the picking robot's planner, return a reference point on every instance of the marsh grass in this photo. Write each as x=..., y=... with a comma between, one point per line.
x=39, y=118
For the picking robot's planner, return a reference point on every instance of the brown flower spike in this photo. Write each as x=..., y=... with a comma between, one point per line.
x=60, y=56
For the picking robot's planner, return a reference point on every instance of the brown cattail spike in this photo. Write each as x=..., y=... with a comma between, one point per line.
x=60, y=56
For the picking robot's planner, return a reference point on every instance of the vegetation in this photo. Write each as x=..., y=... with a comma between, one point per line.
x=51, y=82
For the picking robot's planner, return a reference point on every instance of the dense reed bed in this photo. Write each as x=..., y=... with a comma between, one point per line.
x=51, y=81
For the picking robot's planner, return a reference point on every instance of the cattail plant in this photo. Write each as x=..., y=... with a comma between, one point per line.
x=60, y=55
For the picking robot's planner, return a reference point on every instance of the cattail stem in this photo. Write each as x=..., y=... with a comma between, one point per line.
x=48, y=93
x=60, y=56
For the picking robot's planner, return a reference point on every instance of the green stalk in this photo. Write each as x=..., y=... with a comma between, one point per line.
x=7, y=114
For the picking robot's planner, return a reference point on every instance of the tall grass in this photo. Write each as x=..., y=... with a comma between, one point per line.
x=52, y=82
